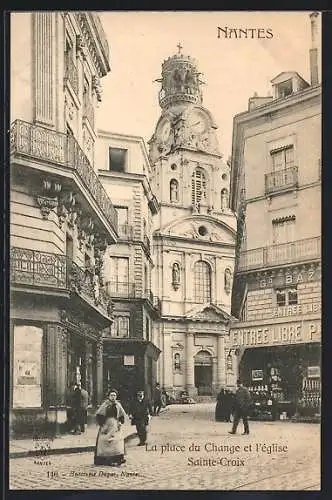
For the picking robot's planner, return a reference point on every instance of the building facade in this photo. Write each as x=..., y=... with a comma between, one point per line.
x=130, y=354
x=62, y=219
x=276, y=192
x=193, y=236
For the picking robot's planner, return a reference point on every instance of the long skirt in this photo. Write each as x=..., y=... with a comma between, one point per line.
x=110, y=449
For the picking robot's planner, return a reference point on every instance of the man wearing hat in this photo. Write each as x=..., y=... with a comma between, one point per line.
x=140, y=413
x=241, y=408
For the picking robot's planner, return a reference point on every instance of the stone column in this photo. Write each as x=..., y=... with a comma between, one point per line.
x=190, y=369
x=221, y=370
x=215, y=388
x=168, y=362
x=99, y=371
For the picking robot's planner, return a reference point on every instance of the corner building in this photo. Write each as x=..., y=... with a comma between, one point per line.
x=62, y=219
x=130, y=356
x=193, y=238
x=276, y=192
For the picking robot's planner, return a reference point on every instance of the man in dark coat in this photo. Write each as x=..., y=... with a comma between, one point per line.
x=140, y=413
x=241, y=408
x=84, y=408
x=157, y=402
x=74, y=409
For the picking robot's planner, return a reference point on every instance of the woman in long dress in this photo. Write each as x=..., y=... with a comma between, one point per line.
x=110, y=449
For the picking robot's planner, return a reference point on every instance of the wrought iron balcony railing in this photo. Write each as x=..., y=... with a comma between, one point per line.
x=42, y=143
x=285, y=253
x=118, y=289
x=35, y=268
x=71, y=73
x=126, y=232
x=121, y=289
x=88, y=111
x=281, y=180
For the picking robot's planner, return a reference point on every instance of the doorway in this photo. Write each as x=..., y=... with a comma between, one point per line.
x=203, y=373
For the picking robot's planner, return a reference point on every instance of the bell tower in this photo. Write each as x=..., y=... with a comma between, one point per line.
x=180, y=81
x=194, y=234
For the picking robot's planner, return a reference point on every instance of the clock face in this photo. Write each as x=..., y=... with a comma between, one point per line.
x=165, y=131
x=197, y=123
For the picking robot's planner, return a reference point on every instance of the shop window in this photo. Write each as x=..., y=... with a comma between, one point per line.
x=120, y=327
x=27, y=366
x=286, y=297
x=117, y=159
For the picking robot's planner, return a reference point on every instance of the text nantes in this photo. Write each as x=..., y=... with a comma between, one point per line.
x=228, y=32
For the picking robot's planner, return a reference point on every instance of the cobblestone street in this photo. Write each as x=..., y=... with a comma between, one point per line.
x=185, y=451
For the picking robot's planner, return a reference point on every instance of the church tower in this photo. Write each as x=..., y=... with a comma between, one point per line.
x=194, y=235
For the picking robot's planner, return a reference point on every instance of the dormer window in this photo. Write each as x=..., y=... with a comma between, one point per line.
x=285, y=88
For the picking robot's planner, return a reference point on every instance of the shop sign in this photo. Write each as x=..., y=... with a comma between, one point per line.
x=313, y=371
x=129, y=360
x=278, y=334
x=256, y=375
x=291, y=277
x=27, y=366
x=297, y=310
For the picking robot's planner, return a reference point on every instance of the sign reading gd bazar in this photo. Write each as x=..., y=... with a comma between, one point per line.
x=277, y=334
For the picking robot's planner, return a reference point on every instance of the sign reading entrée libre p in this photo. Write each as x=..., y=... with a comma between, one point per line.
x=287, y=333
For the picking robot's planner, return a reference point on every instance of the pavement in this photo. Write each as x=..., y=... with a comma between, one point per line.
x=188, y=450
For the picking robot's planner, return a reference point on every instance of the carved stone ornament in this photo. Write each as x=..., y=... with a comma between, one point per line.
x=97, y=87
x=46, y=205
x=80, y=44
x=62, y=214
x=176, y=276
x=227, y=280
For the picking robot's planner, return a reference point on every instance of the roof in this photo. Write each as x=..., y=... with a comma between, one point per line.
x=287, y=75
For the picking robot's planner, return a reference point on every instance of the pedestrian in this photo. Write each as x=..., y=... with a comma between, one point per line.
x=157, y=400
x=223, y=406
x=110, y=448
x=74, y=409
x=140, y=413
x=241, y=408
x=84, y=408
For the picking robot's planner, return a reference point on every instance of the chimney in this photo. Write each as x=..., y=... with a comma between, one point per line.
x=314, y=78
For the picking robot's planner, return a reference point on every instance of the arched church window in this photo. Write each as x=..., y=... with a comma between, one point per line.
x=202, y=282
x=174, y=190
x=224, y=199
x=198, y=186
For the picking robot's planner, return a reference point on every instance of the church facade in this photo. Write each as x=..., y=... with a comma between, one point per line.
x=193, y=237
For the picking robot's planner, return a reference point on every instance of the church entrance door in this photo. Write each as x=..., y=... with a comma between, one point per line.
x=203, y=373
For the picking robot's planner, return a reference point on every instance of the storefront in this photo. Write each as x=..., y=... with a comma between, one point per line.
x=280, y=364
x=129, y=365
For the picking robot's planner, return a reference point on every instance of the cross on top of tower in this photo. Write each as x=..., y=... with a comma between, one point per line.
x=179, y=46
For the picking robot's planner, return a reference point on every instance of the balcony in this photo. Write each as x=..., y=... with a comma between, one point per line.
x=71, y=73
x=281, y=180
x=128, y=290
x=56, y=271
x=286, y=253
x=40, y=143
x=126, y=232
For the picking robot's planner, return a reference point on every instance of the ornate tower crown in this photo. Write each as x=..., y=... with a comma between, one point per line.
x=180, y=81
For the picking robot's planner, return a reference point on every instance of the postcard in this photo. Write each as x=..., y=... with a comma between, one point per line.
x=165, y=250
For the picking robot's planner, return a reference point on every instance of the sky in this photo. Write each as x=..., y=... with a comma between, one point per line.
x=233, y=69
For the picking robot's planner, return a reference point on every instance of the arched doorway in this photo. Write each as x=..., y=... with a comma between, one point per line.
x=203, y=373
